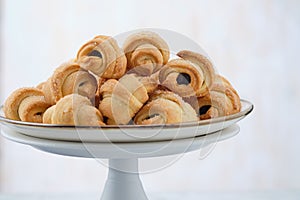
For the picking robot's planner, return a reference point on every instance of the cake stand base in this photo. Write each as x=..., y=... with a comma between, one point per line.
x=123, y=181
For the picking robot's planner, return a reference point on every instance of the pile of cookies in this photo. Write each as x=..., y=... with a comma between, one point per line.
x=136, y=84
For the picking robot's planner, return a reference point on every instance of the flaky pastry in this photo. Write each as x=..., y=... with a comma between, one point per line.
x=67, y=79
x=221, y=100
x=122, y=99
x=165, y=107
x=146, y=52
x=182, y=77
x=103, y=57
x=26, y=104
x=73, y=109
x=203, y=65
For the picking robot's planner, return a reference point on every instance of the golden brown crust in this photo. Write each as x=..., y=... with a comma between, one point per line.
x=48, y=114
x=41, y=85
x=118, y=103
x=26, y=104
x=109, y=60
x=149, y=82
x=101, y=81
x=222, y=99
x=74, y=109
x=155, y=90
x=202, y=63
x=122, y=99
x=212, y=112
x=182, y=77
x=67, y=79
x=146, y=52
x=165, y=107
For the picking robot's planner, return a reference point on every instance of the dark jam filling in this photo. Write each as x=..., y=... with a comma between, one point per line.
x=105, y=119
x=151, y=116
x=82, y=84
x=204, y=109
x=183, y=79
x=95, y=53
x=38, y=113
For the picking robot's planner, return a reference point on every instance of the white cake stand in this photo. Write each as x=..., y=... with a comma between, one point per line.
x=123, y=181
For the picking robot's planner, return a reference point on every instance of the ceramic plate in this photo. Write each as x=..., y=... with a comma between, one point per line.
x=126, y=133
x=121, y=150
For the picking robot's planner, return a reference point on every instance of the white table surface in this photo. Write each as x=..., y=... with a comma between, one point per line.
x=262, y=195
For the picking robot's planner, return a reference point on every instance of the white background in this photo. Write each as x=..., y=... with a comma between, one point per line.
x=254, y=43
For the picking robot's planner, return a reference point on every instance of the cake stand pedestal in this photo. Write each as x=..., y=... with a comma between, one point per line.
x=123, y=181
x=123, y=185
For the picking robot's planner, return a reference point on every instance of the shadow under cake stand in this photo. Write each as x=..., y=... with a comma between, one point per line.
x=124, y=145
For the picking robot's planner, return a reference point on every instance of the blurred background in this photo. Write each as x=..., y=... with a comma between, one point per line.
x=254, y=43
